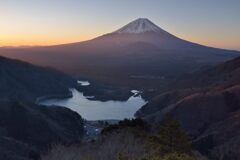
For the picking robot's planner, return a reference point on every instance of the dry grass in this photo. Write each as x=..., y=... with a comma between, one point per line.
x=106, y=148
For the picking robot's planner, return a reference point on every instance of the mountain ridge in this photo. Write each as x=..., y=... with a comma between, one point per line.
x=144, y=53
x=207, y=105
x=23, y=81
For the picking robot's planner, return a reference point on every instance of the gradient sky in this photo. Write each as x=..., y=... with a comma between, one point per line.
x=45, y=22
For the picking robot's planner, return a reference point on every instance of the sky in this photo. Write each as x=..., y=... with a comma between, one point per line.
x=46, y=22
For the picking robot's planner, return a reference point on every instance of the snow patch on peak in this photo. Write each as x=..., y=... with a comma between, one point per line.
x=140, y=25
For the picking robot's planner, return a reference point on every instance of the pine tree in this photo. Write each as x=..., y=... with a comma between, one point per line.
x=170, y=139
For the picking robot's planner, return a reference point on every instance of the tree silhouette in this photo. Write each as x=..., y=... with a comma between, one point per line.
x=169, y=139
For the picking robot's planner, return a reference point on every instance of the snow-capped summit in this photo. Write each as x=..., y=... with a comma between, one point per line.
x=140, y=25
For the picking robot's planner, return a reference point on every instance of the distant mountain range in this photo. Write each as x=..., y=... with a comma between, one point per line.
x=28, y=130
x=139, y=49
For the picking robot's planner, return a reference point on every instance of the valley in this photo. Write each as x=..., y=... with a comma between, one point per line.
x=137, y=93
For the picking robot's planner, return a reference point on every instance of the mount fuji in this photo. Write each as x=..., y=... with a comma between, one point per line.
x=140, y=25
x=139, y=49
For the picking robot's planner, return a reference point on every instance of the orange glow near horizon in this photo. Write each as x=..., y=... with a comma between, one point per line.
x=42, y=40
x=35, y=35
x=30, y=23
x=217, y=41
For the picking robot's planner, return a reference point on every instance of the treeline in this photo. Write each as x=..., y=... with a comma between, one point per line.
x=167, y=142
x=132, y=140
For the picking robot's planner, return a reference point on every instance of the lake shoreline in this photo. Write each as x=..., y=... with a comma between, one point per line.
x=48, y=97
x=94, y=110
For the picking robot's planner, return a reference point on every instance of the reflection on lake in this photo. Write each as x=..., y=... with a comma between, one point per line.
x=97, y=110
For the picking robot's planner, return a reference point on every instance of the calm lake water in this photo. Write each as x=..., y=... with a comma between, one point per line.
x=97, y=110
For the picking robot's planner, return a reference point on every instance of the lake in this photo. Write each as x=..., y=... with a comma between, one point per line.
x=98, y=110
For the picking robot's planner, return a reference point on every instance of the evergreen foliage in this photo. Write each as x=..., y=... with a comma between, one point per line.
x=170, y=143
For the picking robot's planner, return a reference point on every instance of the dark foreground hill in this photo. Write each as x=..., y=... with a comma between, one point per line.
x=207, y=105
x=26, y=82
x=26, y=130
